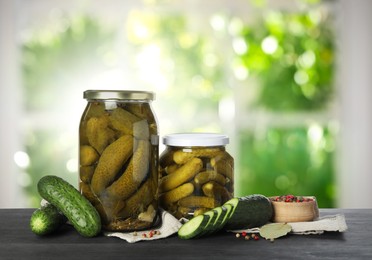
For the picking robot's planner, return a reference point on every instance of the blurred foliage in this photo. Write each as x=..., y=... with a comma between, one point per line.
x=55, y=60
x=49, y=155
x=288, y=161
x=289, y=55
x=179, y=62
x=292, y=56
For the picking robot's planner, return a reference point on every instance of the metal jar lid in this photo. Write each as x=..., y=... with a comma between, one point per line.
x=196, y=139
x=118, y=95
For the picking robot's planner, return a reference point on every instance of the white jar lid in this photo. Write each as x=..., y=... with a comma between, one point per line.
x=195, y=139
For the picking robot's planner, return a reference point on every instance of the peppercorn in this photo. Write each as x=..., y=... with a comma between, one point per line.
x=291, y=198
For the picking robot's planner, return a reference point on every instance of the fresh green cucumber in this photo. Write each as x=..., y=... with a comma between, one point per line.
x=79, y=211
x=248, y=212
x=46, y=220
x=193, y=227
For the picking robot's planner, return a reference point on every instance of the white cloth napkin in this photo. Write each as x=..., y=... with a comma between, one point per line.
x=169, y=226
x=319, y=226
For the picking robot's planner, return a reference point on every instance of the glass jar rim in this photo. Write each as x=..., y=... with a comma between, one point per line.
x=119, y=95
x=196, y=139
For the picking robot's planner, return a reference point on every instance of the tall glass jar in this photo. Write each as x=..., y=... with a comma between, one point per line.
x=119, y=147
x=197, y=173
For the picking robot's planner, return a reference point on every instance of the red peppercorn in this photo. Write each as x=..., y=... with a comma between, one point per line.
x=244, y=234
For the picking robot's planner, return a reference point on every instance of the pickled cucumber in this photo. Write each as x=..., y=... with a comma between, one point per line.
x=98, y=133
x=87, y=193
x=94, y=109
x=223, y=165
x=198, y=202
x=123, y=120
x=214, y=190
x=134, y=174
x=200, y=211
x=138, y=201
x=183, y=211
x=86, y=173
x=171, y=168
x=88, y=155
x=181, y=175
x=112, y=160
x=176, y=194
x=205, y=176
x=181, y=156
x=166, y=159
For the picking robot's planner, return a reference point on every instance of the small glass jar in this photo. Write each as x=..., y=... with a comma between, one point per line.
x=197, y=173
x=118, y=158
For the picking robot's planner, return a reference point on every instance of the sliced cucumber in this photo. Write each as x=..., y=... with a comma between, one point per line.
x=237, y=213
x=193, y=227
x=231, y=204
x=212, y=216
x=229, y=209
x=205, y=224
x=217, y=225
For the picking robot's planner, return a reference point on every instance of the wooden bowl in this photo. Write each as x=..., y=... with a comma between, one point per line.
x=295, y=211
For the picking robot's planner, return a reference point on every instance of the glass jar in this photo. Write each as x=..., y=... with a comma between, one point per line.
x=197, y=173
x=118, y=158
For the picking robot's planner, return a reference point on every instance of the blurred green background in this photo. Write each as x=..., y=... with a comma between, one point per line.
x=266, y=79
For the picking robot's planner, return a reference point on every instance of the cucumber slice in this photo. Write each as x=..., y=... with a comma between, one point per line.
x=234, y=203
x=224, y=214
x=230, y=208
x=193, y=227
x=212, y=217
x=227, y=208
x=222, y=211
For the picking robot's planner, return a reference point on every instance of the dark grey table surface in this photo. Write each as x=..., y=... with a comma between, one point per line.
x=18, y=242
